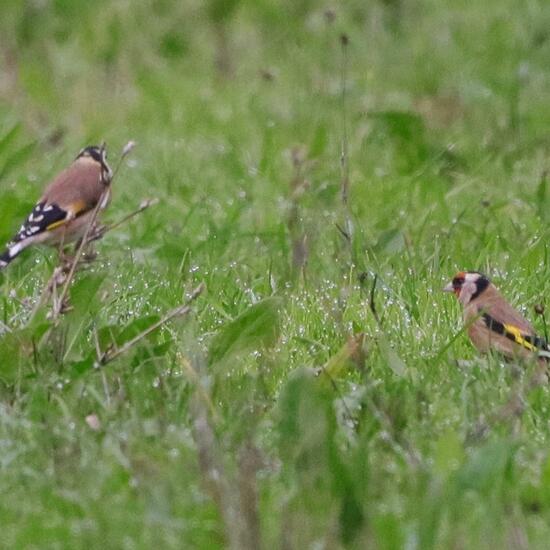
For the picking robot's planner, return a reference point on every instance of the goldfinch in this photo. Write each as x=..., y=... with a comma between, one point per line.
x=63, y=212
x=492, y=323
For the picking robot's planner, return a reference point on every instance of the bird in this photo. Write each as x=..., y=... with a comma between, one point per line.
x=66, y=206
x=492, y=323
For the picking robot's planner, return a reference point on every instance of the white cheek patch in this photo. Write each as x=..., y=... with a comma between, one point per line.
x=468, y=290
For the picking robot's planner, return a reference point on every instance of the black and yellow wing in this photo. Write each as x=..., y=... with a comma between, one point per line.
x=44, y=217
x=531, y=342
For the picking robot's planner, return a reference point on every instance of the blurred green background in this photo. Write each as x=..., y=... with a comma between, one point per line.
x=282, y=412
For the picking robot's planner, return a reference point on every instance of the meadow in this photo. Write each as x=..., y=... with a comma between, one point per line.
x=323, y=170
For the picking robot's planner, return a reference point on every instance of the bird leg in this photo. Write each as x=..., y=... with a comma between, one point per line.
x=88, y=254
x=64, y=259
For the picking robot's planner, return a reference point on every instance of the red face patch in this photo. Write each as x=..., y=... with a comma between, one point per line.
x=458, y=281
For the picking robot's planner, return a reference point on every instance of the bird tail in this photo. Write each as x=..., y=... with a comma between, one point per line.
x=12, y=251
x=5, y=258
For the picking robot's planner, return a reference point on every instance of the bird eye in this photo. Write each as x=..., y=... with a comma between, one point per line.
x=458, y=281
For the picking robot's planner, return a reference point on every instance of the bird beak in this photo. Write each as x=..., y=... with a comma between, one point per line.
x=448, y=288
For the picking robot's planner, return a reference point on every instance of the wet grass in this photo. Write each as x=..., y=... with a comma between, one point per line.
x=320, y=394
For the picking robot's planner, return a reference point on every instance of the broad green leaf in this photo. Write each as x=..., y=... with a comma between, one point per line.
x=136, y=327
x=390, y=241
x=488, y=467
x=16, y=349
x=117, y=336
x=307, y=438
x=9, y=136
x=350, y=356
x=83, y=293
x=83, y=365
x=256, y=328
x=306, y=421
x=395, y=362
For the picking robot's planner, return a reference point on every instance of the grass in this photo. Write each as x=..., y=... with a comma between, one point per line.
x=280, y=412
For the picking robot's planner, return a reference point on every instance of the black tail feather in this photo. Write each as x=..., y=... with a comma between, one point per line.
x=13, y=249
x=5, y=258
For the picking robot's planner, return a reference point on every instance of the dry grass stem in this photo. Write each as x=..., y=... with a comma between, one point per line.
x=180, y=311
x=298, y=187
x=235, y=497
x=344, y=155
x=101, y=231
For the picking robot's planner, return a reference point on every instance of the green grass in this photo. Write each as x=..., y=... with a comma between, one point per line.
x=221, y=428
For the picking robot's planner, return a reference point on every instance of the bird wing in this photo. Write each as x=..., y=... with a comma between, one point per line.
x=71, y=194
x=44, y=217
x=512, y=332
x=500, y=310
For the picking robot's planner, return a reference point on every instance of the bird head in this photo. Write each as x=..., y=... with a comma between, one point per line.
x=467, y=285
x=97, y=153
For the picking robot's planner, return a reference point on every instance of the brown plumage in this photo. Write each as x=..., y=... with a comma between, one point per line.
x=64, y=210
x=492, y=323
x=62, y=190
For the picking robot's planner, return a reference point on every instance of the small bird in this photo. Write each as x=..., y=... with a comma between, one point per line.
x=493, y=324
x=63, y=212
